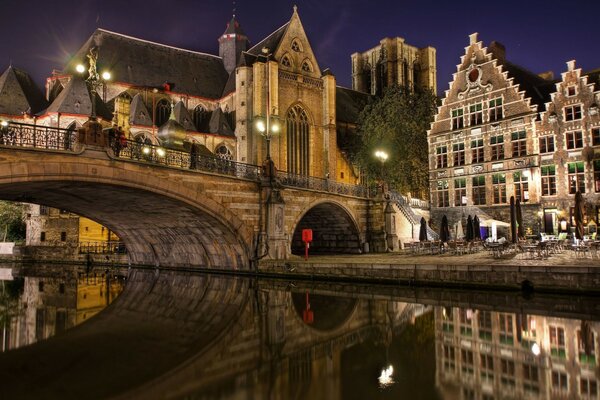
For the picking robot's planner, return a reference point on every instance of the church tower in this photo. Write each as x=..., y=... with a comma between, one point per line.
x=231, y=44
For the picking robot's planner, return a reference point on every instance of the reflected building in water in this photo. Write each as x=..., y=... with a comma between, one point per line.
x=492, y=355
x=49, y=305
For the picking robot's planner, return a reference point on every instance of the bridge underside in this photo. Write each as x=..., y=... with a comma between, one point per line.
x=334, y=231
x=156, y=229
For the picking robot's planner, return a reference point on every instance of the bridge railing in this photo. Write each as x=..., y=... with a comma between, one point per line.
x=106, y=247
x=321, y=184
x=36, y=136
x=138, y=151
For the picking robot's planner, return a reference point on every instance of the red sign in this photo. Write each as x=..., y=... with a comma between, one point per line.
x=307, y=235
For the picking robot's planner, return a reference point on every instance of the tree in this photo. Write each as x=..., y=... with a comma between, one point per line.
x=12, y=222
x=396, y=123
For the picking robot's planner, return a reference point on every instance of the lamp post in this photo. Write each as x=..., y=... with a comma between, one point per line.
x=268, y=125
x=382, y=156
x=94, y=79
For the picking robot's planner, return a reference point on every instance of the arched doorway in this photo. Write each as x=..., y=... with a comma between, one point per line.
x=334, y=231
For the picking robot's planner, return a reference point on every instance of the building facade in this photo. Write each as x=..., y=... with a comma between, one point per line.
x=503, y=131
x=394, y=62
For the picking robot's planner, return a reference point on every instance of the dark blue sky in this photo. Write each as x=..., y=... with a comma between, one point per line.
x=539, y=35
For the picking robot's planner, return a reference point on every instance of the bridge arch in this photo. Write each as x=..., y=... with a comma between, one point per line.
x=334, y=228
x=165, y=219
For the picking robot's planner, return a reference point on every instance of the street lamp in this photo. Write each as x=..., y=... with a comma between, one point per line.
x=381, y=156
x=268, y=125
x=93, y=79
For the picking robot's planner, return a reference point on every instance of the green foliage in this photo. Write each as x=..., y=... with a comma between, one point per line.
x=396, y=123
x=12, y=223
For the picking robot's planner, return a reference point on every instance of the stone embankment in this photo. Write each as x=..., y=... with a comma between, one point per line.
x=559, y=273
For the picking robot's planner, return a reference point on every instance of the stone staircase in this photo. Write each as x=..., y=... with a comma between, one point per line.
x=405, y=205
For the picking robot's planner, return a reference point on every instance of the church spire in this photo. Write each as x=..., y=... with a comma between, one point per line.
x=231, y=43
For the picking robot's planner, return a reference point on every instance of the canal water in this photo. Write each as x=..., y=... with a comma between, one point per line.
x=74, y=333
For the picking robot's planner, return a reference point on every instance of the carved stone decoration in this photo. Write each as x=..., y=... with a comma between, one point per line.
x=442, y=174
x=521, y=163
x=477, y=168
x=473, y=76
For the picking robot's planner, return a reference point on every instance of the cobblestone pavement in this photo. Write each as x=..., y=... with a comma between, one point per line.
x=564, y=258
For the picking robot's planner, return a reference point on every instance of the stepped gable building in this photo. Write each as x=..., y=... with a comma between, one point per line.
x=162, y=95
x=393, y=61
x=503, y=131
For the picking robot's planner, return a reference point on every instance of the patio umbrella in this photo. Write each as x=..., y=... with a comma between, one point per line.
x=469, y=236
x=519, y=216
x=423, y=230
x=513, y=220
x=476, y=228
x=578, y=215
x=459, y=230
x=444, y=230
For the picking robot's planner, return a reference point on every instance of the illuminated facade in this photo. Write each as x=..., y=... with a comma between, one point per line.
x=503, y=131
x=177, y=98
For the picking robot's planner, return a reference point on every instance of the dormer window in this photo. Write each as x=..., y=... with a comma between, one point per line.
x=285, y=61
x=306, y=66
x=296, y=46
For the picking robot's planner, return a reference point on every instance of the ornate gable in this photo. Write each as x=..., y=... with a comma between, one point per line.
x=294, y=52
x=483, y=75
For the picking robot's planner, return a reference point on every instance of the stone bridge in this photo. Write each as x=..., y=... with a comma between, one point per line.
x=171, y=210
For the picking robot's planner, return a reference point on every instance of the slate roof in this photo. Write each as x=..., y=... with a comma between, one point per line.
x=75, y=98
x=19, y=94
x=349, y=103
x=535, y=87
x=233, y=27
x=142, y=63
x=138, y=112
x=230, y=85
x=218, y=124
x=271, y=42
x=183, y=116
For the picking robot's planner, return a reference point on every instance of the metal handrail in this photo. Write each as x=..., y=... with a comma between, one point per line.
x=138, y=151
x=320, y=184
x=105, y=247
x=37, y=136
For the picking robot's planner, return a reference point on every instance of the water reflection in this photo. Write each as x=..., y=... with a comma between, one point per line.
x=488, y=355
x=183, y=335
x=40, y=305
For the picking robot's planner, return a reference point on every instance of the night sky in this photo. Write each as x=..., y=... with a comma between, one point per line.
x=539, y=35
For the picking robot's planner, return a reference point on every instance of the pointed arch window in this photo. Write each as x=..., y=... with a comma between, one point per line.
x=285, y=61
x=298, y=141
x=307, y=66
x=163, y=111
x=198, y=117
